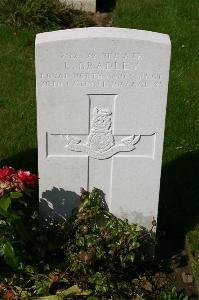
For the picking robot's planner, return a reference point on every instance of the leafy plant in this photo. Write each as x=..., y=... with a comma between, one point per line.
x=93, y=254
x=43, y=13
x=172, y=295
x=104, y=252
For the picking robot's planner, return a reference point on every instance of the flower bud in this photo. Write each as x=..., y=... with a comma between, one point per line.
x=82, y=190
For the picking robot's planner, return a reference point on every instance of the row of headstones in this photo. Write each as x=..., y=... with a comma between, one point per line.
x=85, y=5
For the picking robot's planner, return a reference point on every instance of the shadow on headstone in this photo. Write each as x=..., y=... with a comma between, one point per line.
x=104, y=203
x=57, y=204
x=179, y=199
x=105, y=5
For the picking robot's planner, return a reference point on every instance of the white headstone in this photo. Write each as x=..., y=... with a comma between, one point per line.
x=85, y=5
x=101, y=103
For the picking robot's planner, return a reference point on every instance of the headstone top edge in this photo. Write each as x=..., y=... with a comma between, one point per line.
x=103, y=32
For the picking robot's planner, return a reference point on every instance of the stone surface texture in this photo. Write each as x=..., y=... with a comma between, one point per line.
x=85, y=5
x=101, y=104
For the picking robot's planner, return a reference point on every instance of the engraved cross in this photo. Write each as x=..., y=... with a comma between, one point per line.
x=102, y=144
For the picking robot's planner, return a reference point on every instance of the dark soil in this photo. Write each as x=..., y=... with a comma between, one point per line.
x=177, y=267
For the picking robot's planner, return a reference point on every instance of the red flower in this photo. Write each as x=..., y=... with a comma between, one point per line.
x=12, y=180
x=6, y=172
x=27, y=178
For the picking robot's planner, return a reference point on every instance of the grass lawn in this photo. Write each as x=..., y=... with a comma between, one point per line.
x=17, y=96
x=180, y=173
x=180, y=20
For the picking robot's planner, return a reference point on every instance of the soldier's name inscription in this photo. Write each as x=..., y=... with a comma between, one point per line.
x=106, y=69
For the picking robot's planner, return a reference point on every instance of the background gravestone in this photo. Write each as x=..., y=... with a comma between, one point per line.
x=105, y=5
x=101, y=103
x=85, y=5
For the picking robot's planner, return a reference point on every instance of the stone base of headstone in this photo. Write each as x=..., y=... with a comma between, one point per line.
x=85, y=5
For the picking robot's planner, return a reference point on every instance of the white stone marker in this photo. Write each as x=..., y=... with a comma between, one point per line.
x=101, y=103
x=85, y=5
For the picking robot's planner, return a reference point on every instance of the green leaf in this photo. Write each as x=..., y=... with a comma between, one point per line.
x=91, y=240
x=22, y=202
x=52, y=297
x=3, y=213
x=80, y=241
x=42, y=286
x=16, y=195
x=24, y=294
x=5, y=203
x=30, y=269
x=74, y=290
x=10, y=256
x=2, y=223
